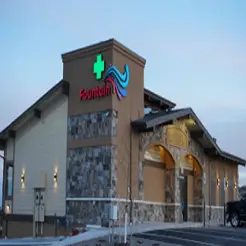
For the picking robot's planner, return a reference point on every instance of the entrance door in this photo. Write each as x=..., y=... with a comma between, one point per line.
x=184, y=197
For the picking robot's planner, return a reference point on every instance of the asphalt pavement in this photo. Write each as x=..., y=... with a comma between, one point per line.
x=211, y=236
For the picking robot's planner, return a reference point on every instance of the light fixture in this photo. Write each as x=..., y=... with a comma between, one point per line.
x=194, y=171
x=7, y=209
x=226, y=183
x=235, y=185
x=55, y=177
x=23, y=178
x=218, y=182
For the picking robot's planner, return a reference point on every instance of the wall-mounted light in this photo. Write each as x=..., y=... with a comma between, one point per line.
x=194, y=171
x=23, y=178
x=226, y=183
x=235, y=185
x=7, y=209
x=218, y=182
x=55, y=176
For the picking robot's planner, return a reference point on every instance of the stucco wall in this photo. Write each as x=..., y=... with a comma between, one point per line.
x=40, y=148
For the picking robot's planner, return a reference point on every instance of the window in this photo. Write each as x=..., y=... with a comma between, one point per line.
x=147, y=110
x=10, y=181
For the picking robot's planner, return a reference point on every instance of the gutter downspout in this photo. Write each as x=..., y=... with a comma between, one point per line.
x=210, y=190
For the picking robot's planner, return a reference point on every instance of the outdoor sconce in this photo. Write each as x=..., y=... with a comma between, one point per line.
x=22, y=178
x=235, y=185
x=7, y=209
x=194, y=172
x=226, y=183
x=55, y=177
x=218, y=182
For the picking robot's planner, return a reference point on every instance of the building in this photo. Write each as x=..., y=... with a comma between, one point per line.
x=97, y=138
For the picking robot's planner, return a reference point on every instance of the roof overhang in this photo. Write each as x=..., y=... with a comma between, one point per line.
x=197, y=131
x=61, y=88
x=160, y=101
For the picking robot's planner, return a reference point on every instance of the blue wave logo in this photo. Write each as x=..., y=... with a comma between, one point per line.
x=118, y=80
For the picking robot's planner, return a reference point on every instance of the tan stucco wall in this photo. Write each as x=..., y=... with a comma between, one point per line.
x=154, y=177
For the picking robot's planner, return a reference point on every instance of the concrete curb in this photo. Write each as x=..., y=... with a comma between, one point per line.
x=101, y=237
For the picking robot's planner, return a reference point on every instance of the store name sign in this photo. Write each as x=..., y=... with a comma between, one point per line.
x=114, y=82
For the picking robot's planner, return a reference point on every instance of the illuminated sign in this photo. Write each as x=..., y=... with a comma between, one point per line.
x=99, y=67
x=114, y=81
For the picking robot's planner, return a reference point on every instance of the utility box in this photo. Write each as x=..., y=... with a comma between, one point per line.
x=113, y=212
x=39, y=204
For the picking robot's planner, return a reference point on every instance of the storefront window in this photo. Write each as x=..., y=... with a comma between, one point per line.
x=10, y=180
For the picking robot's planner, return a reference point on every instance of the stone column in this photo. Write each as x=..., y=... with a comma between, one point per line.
x=178, y=212
x=169, y=189
x=198, y=199
x=140, y=181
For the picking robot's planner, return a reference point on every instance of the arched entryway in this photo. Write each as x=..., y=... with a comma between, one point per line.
x=191, y=188
x=159, y=175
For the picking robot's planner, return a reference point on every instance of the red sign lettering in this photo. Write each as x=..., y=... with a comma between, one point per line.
x=99, y=91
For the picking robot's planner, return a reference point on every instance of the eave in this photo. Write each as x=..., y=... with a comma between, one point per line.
x=158, y=100
x=35, y=110
x=197, y=131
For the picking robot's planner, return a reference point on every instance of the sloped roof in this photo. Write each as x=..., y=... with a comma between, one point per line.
x=198, y=131
x=35, y=110
x=165, y=103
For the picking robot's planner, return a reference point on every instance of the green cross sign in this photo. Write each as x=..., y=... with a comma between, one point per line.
x=99, y=67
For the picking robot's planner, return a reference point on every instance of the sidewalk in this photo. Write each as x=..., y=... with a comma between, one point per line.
x=95, y=235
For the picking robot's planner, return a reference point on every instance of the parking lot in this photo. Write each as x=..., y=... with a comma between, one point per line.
x=213, y=236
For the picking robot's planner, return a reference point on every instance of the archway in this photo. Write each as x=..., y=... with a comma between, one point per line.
x=191, y=188
x=158, y=175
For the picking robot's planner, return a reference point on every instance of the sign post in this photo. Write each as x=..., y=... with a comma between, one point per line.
x=225, y=185
x=204, y=200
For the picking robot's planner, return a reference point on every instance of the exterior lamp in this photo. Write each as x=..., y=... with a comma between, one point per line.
x=55, y=177
x=23, y=178
x=218, y=182
x=7, y=209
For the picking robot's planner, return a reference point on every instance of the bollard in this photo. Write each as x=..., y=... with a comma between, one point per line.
x=224, y=214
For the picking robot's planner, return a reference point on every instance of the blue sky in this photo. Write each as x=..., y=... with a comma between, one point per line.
x=195, y=51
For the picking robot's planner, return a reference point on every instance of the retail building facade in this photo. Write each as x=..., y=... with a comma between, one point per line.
x=98, y=138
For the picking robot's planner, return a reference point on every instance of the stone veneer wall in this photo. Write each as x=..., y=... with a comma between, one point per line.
x=91, y=172
x=92, y=125
x=88, y=212
x=195, y=213
x=215, y=214
x=143, y=212
x=97, y=213
x=159, y=136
